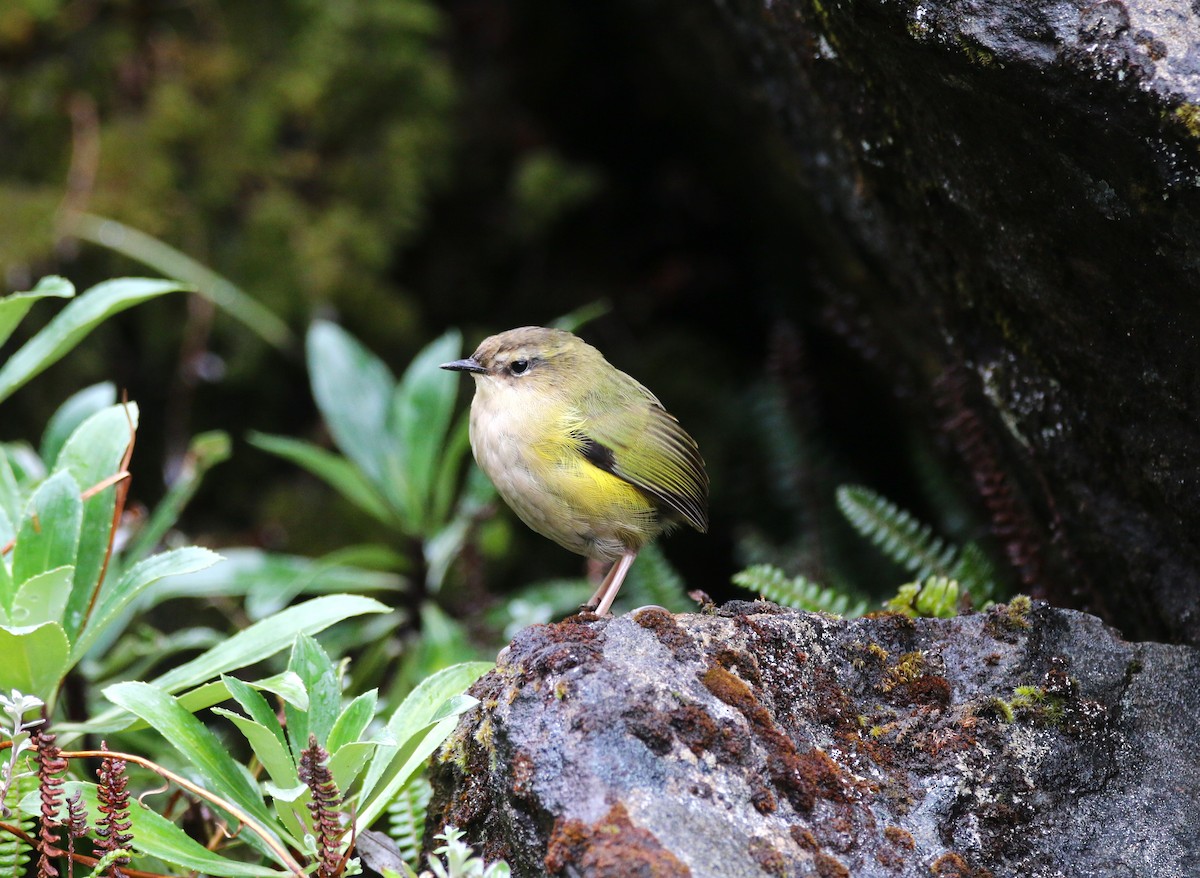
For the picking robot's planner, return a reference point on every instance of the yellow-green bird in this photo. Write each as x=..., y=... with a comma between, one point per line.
x=584, y=454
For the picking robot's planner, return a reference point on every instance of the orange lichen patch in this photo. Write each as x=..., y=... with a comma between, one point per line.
x=951, y=865
x=768, y=858
x=610, y=848
x=801, y=778
x=668, y=632
x=829, y=867
x=899, y=837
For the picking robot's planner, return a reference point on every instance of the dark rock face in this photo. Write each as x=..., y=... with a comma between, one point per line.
x=1007, y=198
x=763, y=742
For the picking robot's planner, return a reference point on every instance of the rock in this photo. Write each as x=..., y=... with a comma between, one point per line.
x=1003, y=213
x=1025, y=741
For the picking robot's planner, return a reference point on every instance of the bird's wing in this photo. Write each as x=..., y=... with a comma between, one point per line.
x=640, y=442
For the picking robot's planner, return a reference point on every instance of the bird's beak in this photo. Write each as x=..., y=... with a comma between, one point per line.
x=470, y=364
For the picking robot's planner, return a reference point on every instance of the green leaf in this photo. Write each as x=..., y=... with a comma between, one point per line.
x=420, y=414
x=353, y=721
x=265, y=638
x=312, y=665
x=92, y=454
x=42, y=598
x=261, y=640
x=114, y=599
x=48, y=536
x=270, y=752
x=12, y=498
x=35, y=659
x=268, y=580
x=424, y=706
x=407, y=762
x=14, y=307
x=353, y=389
x=164, y=258
x=77, y=409
x=194, y=742
x=73, y=323
x=347, y=479
x=204, y=452
x=348, y=762
x=256, y=708
x=158, y=837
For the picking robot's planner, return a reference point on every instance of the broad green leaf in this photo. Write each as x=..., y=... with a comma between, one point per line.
x=419, y=709
x=287, y=685
x=42, y=598
x=113, y=599
x=256, y=708
x=78, y=408
x=72, y=324
x=353, y=721
x=450, y=472
x=419, y=418
x=407, y=761
x=12, y=498
x=91, y=454
x=353, y=389
x=270, y=752
x=261, y=640
x=268, y=580
x=313, y=666
x=15, y=306
x=265, y=638
x=348, y=762
x=48, y=536
x=158, y=837
x=7, y=587
x=195, y=743
x=35, y=659
x=346, y=478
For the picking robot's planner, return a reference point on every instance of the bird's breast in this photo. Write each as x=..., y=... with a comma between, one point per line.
x=532, y=453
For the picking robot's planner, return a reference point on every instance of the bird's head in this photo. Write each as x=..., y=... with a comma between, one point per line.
x=531, y=358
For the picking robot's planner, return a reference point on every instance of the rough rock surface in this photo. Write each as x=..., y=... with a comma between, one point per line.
x=1005, y=195
x=765, y=742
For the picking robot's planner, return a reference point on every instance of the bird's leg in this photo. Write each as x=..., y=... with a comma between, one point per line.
x=612, y=582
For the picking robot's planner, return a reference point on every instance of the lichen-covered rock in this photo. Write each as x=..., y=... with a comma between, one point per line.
x=1004, y=214
x=763, y=742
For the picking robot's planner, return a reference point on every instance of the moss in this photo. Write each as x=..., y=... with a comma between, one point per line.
x=607, y=848
x=768, y=858
x=829, y=867
x=952, y=865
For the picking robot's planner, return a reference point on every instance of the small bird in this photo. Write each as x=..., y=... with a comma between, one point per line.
x=584, y=454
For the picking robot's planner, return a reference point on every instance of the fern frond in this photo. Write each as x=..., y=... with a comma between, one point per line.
x=798, y=592
x=900, y=536
x=406, y=819
x=15, y=852
x=976, y=575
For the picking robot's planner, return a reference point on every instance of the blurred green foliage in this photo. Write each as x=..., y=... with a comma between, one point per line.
x=289, y=145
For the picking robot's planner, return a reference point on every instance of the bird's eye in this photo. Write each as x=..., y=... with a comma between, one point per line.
x=518, y=367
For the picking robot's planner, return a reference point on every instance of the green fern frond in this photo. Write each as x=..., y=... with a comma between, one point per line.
x=798, y=592
x=406, y=819
x=900, y=536
x=935, y=596
x=976, y=575
x=15, y=853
